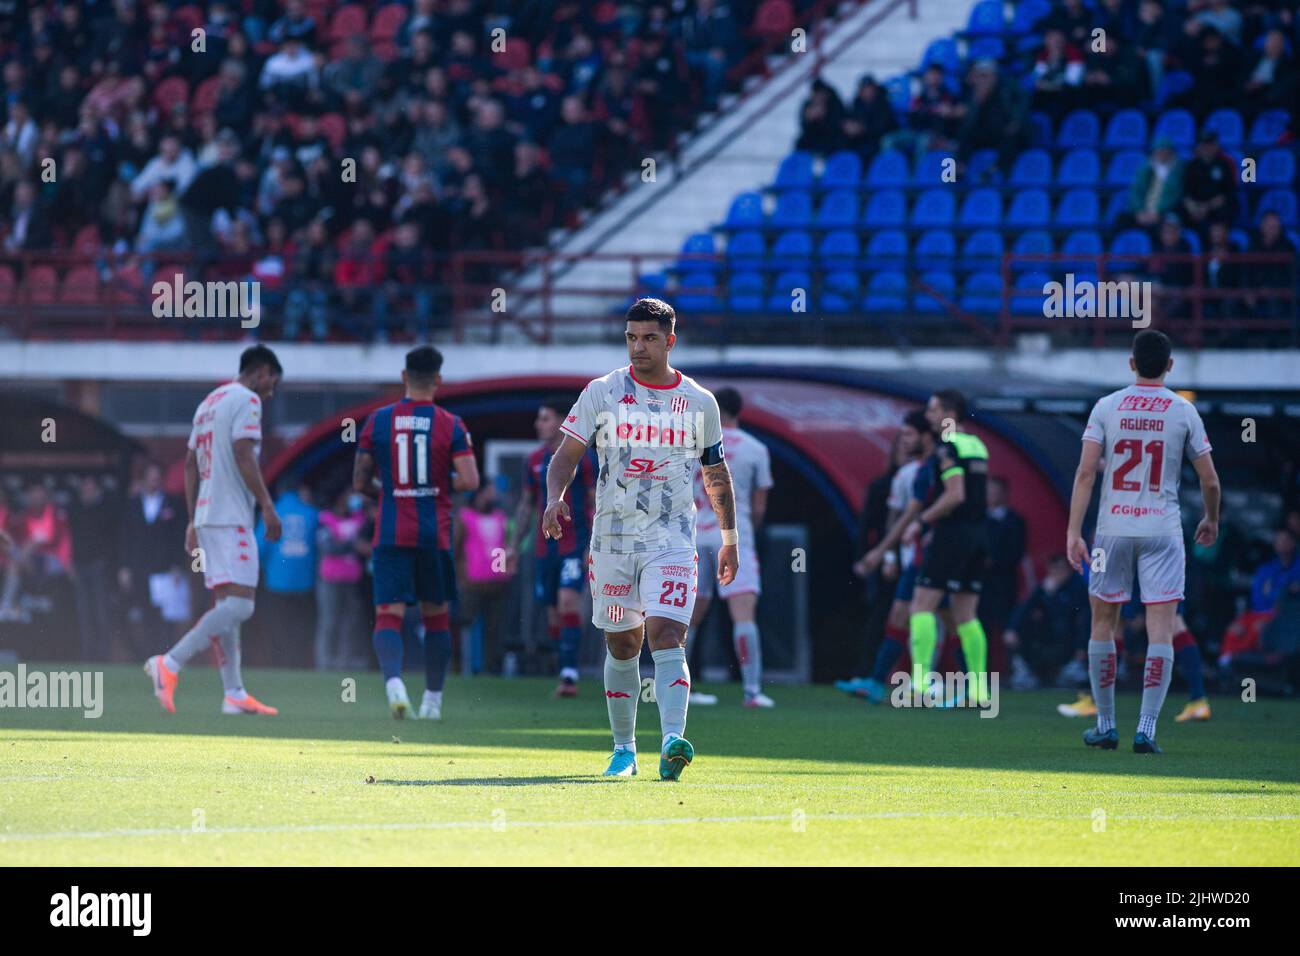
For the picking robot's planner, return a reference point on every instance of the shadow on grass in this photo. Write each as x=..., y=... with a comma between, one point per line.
x=814, y=724
x=497, y=781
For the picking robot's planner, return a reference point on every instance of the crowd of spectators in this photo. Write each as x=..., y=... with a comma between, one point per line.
x=338, y=153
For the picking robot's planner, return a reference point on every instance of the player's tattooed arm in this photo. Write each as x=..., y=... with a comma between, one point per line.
x=363, y=474
x=717, y=485
x=564, y=464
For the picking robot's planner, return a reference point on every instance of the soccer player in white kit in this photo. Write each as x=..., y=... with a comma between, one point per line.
x=650, y=424
x=222, y=484
x=1141, y=433
x=751, y=476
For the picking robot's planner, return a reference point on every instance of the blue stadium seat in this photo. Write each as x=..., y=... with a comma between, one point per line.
x=1026, y=16
x=1123, y=168
x=1040, y=130
x=1127, y=129
x=1035, y=242
x=935, y=249
x=651, y=283
x=983, y=167
x=982, y=250
x=1027, y=297
x=839, y=291
x=986, y=48
x=1174, y=83
x=929, y=169
x=888, y=169
x=1080, y=167
x=885, y=208
x=981, y=207
x=1078, y=209
x=695, y=292
x=1267, y=128
x=1229, y=126
x=746, y=250
x=1276, y=168
x=1193, y=240
x=745, y=292
x=1033, y=167
x=1129, y=249
x=1280, y=201
x=781, y=296
x=1029, y=208
x=795, y=171
x=1081, y=128
x=1179, y=126
x=887, y=249
x=746, y=211
x=697, y=243
x=1084, y=242
x=934, y=207
x=843, y=171
x=1240, y=239
x=838, y=209
x=839, y=249
x=886, y=292
x=982, y=293
x=942, y=283
x=792, y=250
x=1116, y=206
x=942, y=53
x=986, y=19
x=899, y=89
x=794, y=210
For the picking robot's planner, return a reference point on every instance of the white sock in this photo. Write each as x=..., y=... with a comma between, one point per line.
x=433, y=697
x=622, y=689
x=672, y=689
x=221, y=619
x=395, y=684
x=745, y=639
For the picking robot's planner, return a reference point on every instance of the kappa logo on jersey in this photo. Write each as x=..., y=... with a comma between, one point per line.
x=615, y=612
x=1145, y=403
x=615, y=590
x=571, y=419
x=628, y=399
x=678, y=405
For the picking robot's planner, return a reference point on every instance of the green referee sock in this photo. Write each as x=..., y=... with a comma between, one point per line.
x=975, y=648
x=925, y=635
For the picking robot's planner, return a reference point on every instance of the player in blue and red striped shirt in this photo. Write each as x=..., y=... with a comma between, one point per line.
x=560, y=569
x=414, y=454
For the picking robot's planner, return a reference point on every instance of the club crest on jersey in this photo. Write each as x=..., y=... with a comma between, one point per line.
x=614, y=612
x=678, y=405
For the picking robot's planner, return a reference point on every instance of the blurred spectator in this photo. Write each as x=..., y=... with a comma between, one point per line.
x=358, y=270
x=162, y=228
x=1209, y=185
x=711, y=40
x=1157, y=188
x=1116, y=75
x=1271, y=81
x=92, y=521
x=1051, y=629
x=44, y=541
x=313, y=271
x=1215, y=65
x=173, y=164
x=1058, y=75
x=9, y=580
x=821, y=120
x=1277, y=577
x=408, y=277
x=1270, y=239
x=991, y=116
x=930, y=115
x=354, y=77
x=870, y=117
x=28, y=223
x=482, y=559
x=339, y=605
x=1156, y=34
x=1074, y=20
x=572, y=146
x=289, y=573
x=1223, y=273
x=1005, y=534
x=1172, y=267
x=151, y=540
x=20, y=133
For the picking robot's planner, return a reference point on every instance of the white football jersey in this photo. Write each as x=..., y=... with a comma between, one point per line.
x=1144, y=431
x=751, y=468
x=648, y=439
x=229, y=413
x=900, y=495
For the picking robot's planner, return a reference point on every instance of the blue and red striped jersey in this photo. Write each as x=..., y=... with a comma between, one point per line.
x=414, y=445
x=581, y=498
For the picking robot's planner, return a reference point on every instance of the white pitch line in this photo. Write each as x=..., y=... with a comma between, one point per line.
x=565, y=824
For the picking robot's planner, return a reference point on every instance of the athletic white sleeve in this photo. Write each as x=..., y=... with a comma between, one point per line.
x=1197, y=443
x=582, y=419
x=763, y=472
x=246, y=422
x=710, y=433
x=1096, y=427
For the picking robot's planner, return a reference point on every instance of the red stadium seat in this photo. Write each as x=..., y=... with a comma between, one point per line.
x=515, y=56
x=385, y=50
x=333, y=127
x=348, y=21
x=86, y=241
x=774, y=18
x=205, y=96
x=40, y=285
x=173, y=90
x=187, y=18
x=388, y=20
x=80, y=286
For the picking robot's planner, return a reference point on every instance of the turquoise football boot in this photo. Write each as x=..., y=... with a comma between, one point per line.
x=675, y=758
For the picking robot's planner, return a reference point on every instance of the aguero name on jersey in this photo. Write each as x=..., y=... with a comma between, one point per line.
x=1144, y=431
x=648, y=439
x=414, y=445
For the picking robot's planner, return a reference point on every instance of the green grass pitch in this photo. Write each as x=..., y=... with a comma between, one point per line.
x=511, y=776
